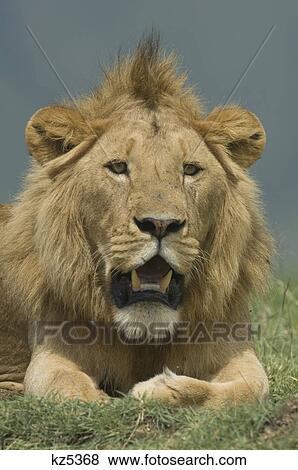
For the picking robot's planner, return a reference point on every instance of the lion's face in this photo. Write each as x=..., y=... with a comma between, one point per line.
x=152, y=197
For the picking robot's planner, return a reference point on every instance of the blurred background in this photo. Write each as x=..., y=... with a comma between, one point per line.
x=216, y=41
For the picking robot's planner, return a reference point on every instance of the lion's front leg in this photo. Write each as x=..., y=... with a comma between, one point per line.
x=52, y=374
x=242, y=380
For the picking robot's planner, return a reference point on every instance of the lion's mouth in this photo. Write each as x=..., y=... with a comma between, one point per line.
x=155, y=281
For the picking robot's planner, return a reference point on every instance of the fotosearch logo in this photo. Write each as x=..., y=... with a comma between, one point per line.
x=92, y=332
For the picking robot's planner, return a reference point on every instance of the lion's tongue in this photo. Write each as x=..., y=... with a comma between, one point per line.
x=154, y=269
x=156, y=274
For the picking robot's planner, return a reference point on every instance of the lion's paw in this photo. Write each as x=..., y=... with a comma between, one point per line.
x=165, y=387
x=174, y=389
x=97, y=396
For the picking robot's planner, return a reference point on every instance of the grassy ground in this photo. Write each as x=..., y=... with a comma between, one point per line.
x=27, y=423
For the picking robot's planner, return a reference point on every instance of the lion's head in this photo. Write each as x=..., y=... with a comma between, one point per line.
x=140, y=208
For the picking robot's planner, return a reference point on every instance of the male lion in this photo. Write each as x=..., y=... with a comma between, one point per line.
x=138, y=216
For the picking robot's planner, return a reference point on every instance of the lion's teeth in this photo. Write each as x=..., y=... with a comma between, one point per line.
x=165, y=281
x=150, y=287
x=161, y=286
x=135, y=280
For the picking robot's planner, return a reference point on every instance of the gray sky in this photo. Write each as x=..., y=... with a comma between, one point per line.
x=216, y=41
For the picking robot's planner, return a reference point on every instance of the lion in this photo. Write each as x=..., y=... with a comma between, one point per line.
x=139, y=234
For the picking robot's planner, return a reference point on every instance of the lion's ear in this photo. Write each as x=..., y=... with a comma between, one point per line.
x=55, y=130
x=239, y=130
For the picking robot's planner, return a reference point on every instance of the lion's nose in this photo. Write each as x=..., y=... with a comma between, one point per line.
x=159, y=228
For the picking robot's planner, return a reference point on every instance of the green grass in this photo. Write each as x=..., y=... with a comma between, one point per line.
x=27, y=423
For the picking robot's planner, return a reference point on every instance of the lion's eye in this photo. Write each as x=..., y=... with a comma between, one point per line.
x=191, y=169
x=118, y=167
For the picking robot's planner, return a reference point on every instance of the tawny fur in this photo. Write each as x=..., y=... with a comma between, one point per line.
x=64, y=234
